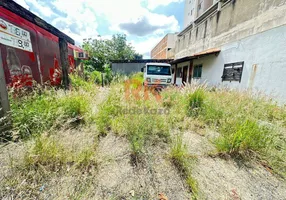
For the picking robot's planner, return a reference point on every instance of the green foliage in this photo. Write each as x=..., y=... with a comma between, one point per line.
x=144, y=128
x=95, y=77
x=247, y=125
x=38, y=112
x=243, y=137
x=183, y=162
x=139, y=128
x=108, y=110
x=196, y=101
x=78, y=82
x=102, y=51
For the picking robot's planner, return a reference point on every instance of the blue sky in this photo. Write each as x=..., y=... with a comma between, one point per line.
x=145, y=22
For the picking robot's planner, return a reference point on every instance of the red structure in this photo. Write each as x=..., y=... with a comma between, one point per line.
x=31, y=53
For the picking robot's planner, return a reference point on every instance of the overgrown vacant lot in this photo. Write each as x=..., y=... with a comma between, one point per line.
x=114, y=143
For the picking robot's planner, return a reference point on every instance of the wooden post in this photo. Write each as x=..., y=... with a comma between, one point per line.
x=64, y=62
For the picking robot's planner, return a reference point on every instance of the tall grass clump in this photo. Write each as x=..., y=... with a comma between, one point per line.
x=48, y=152
x=249, y=125
x=184, y=162
x=108, y=110
x=144, y=130
x=196, y=101
x=37, y=112
x=244, y=137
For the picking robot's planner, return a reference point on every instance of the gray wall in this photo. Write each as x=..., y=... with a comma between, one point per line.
x=127, y=68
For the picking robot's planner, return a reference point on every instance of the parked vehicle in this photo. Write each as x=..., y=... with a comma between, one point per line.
x=158, y=75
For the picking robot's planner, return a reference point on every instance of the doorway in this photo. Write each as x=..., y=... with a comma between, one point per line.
x=185, y=75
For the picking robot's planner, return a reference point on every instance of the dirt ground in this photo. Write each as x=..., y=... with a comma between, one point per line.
x=117, y=178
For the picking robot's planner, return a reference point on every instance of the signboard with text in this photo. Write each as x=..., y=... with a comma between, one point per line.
x=15, y=36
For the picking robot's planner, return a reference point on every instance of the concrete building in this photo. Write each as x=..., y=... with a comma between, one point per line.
x=194, y=9
x=236, y=44
x=165, y=49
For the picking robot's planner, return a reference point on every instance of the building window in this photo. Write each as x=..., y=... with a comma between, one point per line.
x=192, y=12
x=233, y=71
x=198, y=71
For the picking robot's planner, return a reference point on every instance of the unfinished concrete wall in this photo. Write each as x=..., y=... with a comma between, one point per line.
x=237, y=20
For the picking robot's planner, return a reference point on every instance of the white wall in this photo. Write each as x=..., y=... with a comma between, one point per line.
x=189, y=15
x=264, y=57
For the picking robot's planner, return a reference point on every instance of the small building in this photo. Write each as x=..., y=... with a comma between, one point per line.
x=165, y=49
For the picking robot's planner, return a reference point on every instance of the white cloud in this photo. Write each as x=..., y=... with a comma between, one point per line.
x=82, y=16
x=152, y=4
x=80, y=21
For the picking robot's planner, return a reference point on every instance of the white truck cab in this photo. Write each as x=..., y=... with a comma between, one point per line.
x=157, y=74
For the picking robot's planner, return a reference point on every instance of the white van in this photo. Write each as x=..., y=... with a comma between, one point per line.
x=157, y=74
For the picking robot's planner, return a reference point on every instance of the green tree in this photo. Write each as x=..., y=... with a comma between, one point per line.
x=102, y=51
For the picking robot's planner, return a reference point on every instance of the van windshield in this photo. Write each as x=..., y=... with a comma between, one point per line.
x=158, y=70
